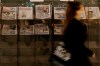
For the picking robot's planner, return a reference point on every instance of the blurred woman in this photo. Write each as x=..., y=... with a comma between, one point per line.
x=75, y=35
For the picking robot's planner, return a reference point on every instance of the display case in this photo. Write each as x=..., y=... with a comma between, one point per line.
x=30, y=30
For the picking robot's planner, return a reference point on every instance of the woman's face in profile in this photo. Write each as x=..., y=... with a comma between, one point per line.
x=81, y=10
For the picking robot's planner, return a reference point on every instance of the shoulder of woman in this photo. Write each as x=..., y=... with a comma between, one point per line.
x=75, y=22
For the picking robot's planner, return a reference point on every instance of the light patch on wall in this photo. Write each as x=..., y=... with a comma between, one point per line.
x=36, y=0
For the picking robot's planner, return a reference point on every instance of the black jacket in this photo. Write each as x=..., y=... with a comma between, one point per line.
x=74, y=38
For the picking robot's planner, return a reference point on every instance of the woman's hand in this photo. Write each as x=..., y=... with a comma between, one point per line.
x=94, y=56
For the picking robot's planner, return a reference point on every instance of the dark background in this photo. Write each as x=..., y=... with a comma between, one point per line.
x=35, y=50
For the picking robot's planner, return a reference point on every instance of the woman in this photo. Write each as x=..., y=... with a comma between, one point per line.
x=75, y=35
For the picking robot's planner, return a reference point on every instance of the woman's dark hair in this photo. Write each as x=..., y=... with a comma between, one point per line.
x=72, y=7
